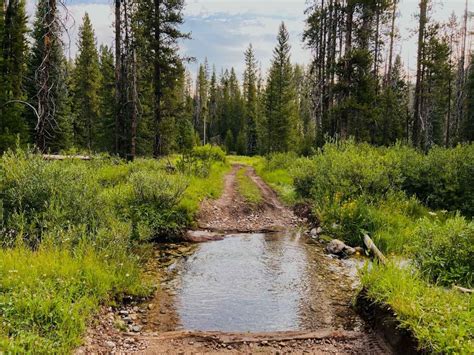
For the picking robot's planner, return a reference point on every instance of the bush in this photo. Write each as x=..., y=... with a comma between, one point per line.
x=444, y=250
x=199, y=160
x=39, y=196
x=442, y=179
x=156, y=197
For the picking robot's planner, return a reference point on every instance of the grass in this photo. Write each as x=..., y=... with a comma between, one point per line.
x=407, y=201
x=247, y=188
x=47, y=296
x=280, y=180
x=71, y=233
x=200, y=188
x=442, y=320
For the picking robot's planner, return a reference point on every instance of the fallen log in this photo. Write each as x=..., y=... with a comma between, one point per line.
x=65, y=157
x=463, y=290
x=239, y=338
x=375, y=251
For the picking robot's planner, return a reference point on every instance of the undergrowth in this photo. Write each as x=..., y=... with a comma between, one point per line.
x=69, y=232
x=415, y=206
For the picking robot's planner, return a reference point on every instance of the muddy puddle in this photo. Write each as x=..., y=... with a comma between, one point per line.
x=259, y=283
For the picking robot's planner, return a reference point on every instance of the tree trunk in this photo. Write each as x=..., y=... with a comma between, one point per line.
x=392, y=42
x=157, y=149
x=118, y=74
x=44, y=72
x=134, y=114
x=418, y=120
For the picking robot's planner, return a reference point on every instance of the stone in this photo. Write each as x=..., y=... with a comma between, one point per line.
x=336, y=247
x=136, y=329
x=123, y=313
x=151, y=306
x=110, y=344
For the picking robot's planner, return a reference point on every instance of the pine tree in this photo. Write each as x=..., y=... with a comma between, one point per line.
x=250, y=100
x=13, y=45
x=280, y=97
x=87, y=79
x=467, y=125
x=201, y=100
x=235, y=113
x=158, y=32
x=419, y=123
x=394, y=106
x=213, y=108
x=106, y=93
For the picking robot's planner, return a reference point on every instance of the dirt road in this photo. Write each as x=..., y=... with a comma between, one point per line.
x=230, y=213
x=151, y=327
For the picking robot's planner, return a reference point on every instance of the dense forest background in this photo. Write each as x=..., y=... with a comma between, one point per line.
x=138, y=98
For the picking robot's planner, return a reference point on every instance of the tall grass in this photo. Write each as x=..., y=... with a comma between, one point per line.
x=412, y=204
x=68, y=235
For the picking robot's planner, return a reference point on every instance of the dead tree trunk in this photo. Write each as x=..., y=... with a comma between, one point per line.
x=118, y=74
x=44, y=77
x=392, y=42
x=418, y=120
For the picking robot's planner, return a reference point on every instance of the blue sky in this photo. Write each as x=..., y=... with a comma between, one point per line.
x=222, y=29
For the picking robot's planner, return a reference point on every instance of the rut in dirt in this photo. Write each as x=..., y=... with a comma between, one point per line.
x=231, y=213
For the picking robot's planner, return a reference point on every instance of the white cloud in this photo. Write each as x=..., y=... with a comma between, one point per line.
x=222, y=29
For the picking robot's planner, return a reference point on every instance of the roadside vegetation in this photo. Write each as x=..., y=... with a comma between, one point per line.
x=416, y=207
x=71, y=233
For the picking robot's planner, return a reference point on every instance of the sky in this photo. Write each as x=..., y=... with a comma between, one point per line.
x=221, y=30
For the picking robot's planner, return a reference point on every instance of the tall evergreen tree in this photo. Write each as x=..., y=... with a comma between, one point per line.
x=158, y=29
x=201, y=101
x=281, y=97
x=467, y=124
x=106, y=92
x=250, y=100
x=13, y=45
x=87, y=79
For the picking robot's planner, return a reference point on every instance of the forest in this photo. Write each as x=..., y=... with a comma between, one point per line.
x=146, y=103
x=115, y=162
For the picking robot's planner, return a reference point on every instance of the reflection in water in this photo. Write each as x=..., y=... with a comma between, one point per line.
x=245, y=283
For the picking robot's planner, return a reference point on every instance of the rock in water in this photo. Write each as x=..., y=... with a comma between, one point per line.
x=339, y=248
x=336, y=247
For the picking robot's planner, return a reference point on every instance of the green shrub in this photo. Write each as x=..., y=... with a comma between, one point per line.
x=156, y=198
x=39, y=195
x=209, y=152
x=444, y=250
x=348, y=171
x=442, y=179
x=199, y=160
